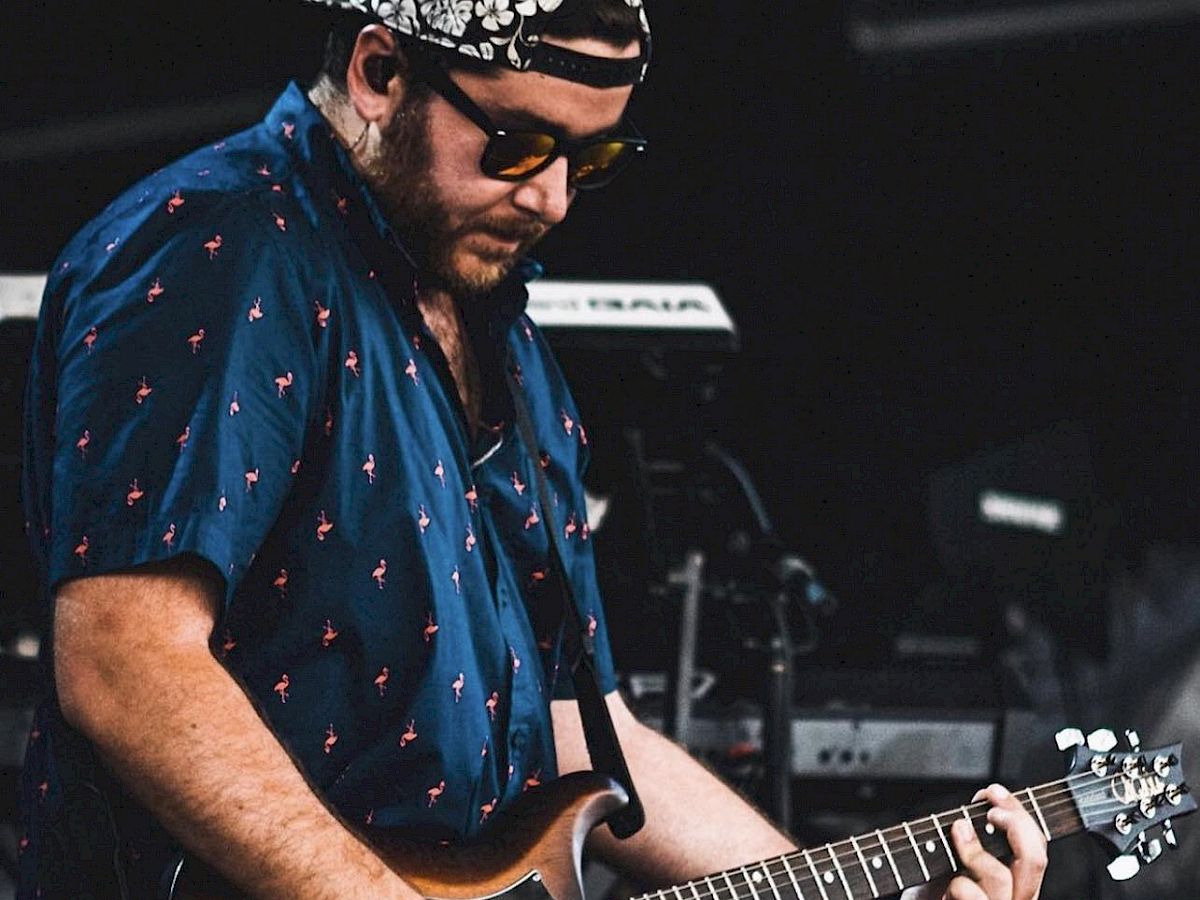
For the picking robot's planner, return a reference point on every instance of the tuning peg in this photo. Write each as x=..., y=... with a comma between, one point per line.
x=1101, y=740
x=1124, y=867
x=1149, y=851
x=1135, y=742
x=1169, y=835
x=1069, y=738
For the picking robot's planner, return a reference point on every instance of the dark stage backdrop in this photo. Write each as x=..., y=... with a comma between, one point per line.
x=929, y=254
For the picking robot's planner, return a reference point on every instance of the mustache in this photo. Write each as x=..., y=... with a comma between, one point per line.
x=523, y=231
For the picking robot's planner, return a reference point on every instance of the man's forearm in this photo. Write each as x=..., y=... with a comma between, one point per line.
x=695, y=824
x=190, y=746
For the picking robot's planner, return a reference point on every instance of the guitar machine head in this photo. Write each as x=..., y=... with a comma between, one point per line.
x=1127, y=798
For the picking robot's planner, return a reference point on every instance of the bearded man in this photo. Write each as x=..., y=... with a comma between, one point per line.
x=299, y=571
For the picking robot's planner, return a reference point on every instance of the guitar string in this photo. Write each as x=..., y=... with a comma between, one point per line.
x=1048, y=803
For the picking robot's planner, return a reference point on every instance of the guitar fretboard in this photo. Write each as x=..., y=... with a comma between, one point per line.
x=879, y=863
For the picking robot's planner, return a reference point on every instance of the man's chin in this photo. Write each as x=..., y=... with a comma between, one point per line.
x=473, y=271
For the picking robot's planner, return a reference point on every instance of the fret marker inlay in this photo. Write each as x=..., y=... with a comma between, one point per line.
x=829, y=879
x=989, y=828
x=930, y=846
x=877, y=862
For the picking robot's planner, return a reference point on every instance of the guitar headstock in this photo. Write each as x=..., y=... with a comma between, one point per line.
x=1127, y=798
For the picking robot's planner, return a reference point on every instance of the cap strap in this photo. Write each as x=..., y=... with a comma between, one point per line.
x=596, y=71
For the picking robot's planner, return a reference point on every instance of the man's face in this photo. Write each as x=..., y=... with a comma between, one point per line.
x=470, y=228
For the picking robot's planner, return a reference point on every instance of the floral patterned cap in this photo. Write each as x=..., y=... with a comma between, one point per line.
x=506, y=32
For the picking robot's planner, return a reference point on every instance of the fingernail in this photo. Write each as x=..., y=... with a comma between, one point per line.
x=965, y=830
x=1001, y=791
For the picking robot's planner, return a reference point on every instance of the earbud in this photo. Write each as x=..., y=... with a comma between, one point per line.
x=379, y=71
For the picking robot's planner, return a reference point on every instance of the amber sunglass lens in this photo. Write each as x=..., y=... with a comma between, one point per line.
x=516, y=155
x=598, y=164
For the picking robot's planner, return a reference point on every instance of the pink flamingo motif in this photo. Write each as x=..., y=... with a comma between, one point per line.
x=144, y=390
x=281, y=687
x=570, y=528
x=195, y=340
x=516, y=661
x=343, y=205
x=322, y=315
x=518, y=484
x=352, y=363
x=234, y=406
x=280, y=583
x=175, y=202
x=330, y=634
x=22, y=845
x=82, y=444
x=135, y=493
x=538, y=576
x=255, y=313
x=369, y=819
x=487, y=809
x=518, y=375
x=228, y=644
x=439, y=472
x=567, y=422
x=591, y=626
x=457, y=686
x=431, y=627
x=470, y=541
x=532, y=519
x=380, y=571
x=410, y=733
x=283, y=382
x=222, y=502
x=112, y=245
x=81, y=550
x=411, y=371
x=381, y=680
x=156, y=291
x=483, y=750
x=586, y=531
x=263, y=171
x=182, y=440
x=331, y=738
x=289, y=128
x=90, y=339
x=472, y=498
x=491, y=703
x=169, y=537
x=295, y=467
x=423, y=518
x=324, y=526
x=434, y=792
x=582, y=434
x=328, y=421
x=369, y=468
x=544, y=459
x=280, y=221
x=213, y=245
x=456, y=577
x=251, y=480
x=416, y=341
x=534, y=780
x=528, y=332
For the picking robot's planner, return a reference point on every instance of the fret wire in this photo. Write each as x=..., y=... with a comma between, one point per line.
x=891, y=862
x=695, y=893
x=766, y=868
x=792, y=875
x=711, y=887
x=945, y=843
x=750, y=883
x=816, y=875
x=732, y=891
x=862, y=861
x=842, y=875
x=917, y=851
x=1037, y=809
x=678, y=895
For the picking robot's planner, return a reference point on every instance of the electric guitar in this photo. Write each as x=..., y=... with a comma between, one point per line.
x=533, y=851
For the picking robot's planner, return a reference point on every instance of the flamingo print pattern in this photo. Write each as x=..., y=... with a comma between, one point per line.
x=272, y=365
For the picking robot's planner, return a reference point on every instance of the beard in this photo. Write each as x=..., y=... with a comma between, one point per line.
x=460, y=258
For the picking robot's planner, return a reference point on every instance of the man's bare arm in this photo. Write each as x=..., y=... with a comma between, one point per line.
x=135, y=675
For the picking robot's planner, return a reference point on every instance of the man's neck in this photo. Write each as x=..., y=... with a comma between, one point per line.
x=443, y=317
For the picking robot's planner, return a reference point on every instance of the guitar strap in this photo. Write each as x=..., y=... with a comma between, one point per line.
x=578, y=645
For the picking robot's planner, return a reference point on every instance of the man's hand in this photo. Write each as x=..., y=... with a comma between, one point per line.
x=983, y=877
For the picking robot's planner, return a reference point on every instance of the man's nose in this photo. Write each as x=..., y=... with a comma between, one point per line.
x=546, y=194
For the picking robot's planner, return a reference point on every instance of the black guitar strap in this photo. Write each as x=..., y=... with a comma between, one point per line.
x=578, y=646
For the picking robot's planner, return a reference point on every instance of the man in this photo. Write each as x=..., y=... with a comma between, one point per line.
x=291, y=533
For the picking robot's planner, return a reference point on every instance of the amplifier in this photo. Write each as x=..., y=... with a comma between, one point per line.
x=885, y=745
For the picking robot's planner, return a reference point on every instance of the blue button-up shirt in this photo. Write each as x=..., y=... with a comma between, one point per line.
x=230, y=363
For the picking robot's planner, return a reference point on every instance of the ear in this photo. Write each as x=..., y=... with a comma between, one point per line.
x=375, y=88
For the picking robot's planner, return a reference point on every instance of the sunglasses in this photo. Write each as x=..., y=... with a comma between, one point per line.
x=516, y=155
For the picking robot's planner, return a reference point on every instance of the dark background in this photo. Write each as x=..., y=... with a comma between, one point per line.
x=932, y=254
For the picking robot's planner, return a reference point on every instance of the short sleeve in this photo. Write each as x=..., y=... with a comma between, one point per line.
x=187, y=375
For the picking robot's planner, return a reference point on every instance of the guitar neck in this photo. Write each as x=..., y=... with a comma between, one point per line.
x=879, y=863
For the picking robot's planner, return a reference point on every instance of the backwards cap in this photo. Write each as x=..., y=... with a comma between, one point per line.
x=505, y=32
